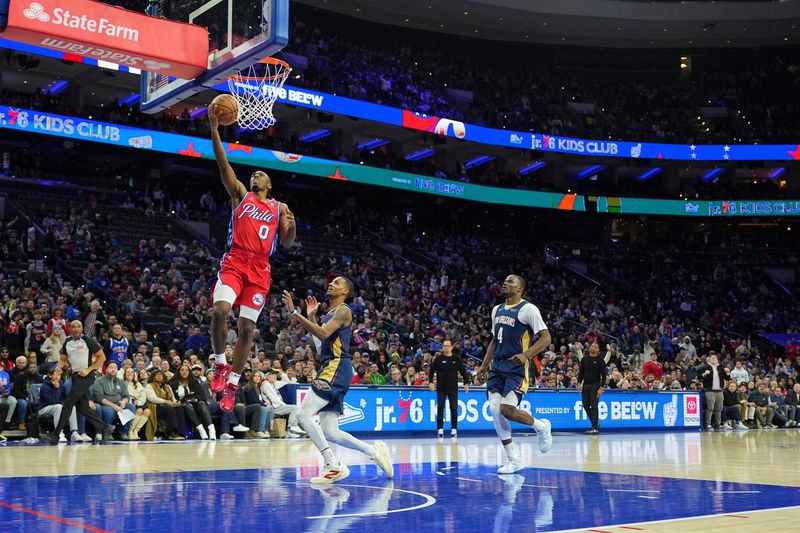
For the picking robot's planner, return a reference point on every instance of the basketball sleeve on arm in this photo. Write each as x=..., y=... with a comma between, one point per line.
x=531, y=317
x=494, y=314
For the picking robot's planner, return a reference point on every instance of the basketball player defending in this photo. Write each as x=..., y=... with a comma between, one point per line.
x=244, y=273
x=327, y=391
x=514, y=324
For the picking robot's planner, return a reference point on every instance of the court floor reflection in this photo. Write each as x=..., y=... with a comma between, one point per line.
x=441, y=493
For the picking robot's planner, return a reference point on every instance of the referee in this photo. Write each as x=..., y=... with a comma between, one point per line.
x=592, y=378
x=446, y=367
x=78, y=351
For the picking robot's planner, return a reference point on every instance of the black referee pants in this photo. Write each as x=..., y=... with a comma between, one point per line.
x=452, y=397
x=79, y=397
x=590, y=402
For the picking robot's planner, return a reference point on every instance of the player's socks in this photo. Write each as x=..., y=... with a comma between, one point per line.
x=330, y=459
x=511, y=451
x=538, y=425
x=234, y=378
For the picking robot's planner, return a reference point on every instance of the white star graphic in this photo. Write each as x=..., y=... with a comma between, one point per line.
x=727, y=148
x=692, y=147
x=726, y=156
x=694, y=156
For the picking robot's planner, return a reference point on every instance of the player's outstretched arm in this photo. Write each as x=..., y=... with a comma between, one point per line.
x=236, y=189
x=288, y=229
x=341, y=317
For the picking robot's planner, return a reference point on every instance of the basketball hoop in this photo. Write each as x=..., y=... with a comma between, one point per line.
x=255, y=89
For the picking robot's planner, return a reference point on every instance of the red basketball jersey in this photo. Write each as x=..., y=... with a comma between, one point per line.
x=254, y=226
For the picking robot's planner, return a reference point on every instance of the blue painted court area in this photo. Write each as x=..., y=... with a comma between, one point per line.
x=442, y=497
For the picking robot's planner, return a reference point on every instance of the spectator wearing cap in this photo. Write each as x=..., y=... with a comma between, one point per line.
x=198, y=372
x=6, y=362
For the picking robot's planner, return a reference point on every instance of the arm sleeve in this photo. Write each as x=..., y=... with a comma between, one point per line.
x=494, y=313
x=580, y=373
x=531, y=317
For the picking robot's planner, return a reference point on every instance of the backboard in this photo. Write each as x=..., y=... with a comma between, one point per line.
x=240, y=33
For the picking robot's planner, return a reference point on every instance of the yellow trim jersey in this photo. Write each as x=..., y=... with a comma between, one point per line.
x=514, y=329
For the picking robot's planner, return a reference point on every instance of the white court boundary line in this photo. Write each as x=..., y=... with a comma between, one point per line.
x=667, y=520
x=429, y=500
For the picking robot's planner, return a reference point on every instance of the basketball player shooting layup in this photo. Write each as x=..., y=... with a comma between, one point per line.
x=514, y=325
x=327, y=391
x=244, y=273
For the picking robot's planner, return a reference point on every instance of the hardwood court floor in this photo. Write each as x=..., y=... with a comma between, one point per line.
x=734, y=481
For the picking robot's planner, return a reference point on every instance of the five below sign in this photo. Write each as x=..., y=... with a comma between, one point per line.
x=91, y=29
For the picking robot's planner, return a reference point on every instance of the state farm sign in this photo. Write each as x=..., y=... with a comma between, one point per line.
x=99, y=31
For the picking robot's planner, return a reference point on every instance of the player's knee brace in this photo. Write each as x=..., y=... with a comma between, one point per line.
x=494, y=403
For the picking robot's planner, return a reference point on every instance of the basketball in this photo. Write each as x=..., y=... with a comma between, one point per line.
x=226, y=108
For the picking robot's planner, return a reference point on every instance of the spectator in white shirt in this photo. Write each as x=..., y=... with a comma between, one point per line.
x=270, y=390
x=740, y=374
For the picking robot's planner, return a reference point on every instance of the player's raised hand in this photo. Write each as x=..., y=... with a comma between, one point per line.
x=213, y=120
x=311, y=305
x=288, y=302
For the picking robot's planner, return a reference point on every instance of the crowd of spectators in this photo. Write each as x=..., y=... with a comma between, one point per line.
x=417, y=72
x=651, y=306
x=418, y=76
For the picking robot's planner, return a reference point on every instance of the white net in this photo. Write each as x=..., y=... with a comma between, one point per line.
x=256, y=88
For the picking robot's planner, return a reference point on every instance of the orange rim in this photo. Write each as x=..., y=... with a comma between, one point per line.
x=267, y=61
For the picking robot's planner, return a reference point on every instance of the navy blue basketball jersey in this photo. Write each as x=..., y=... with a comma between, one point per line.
x=337, y=346
x=514, y=328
